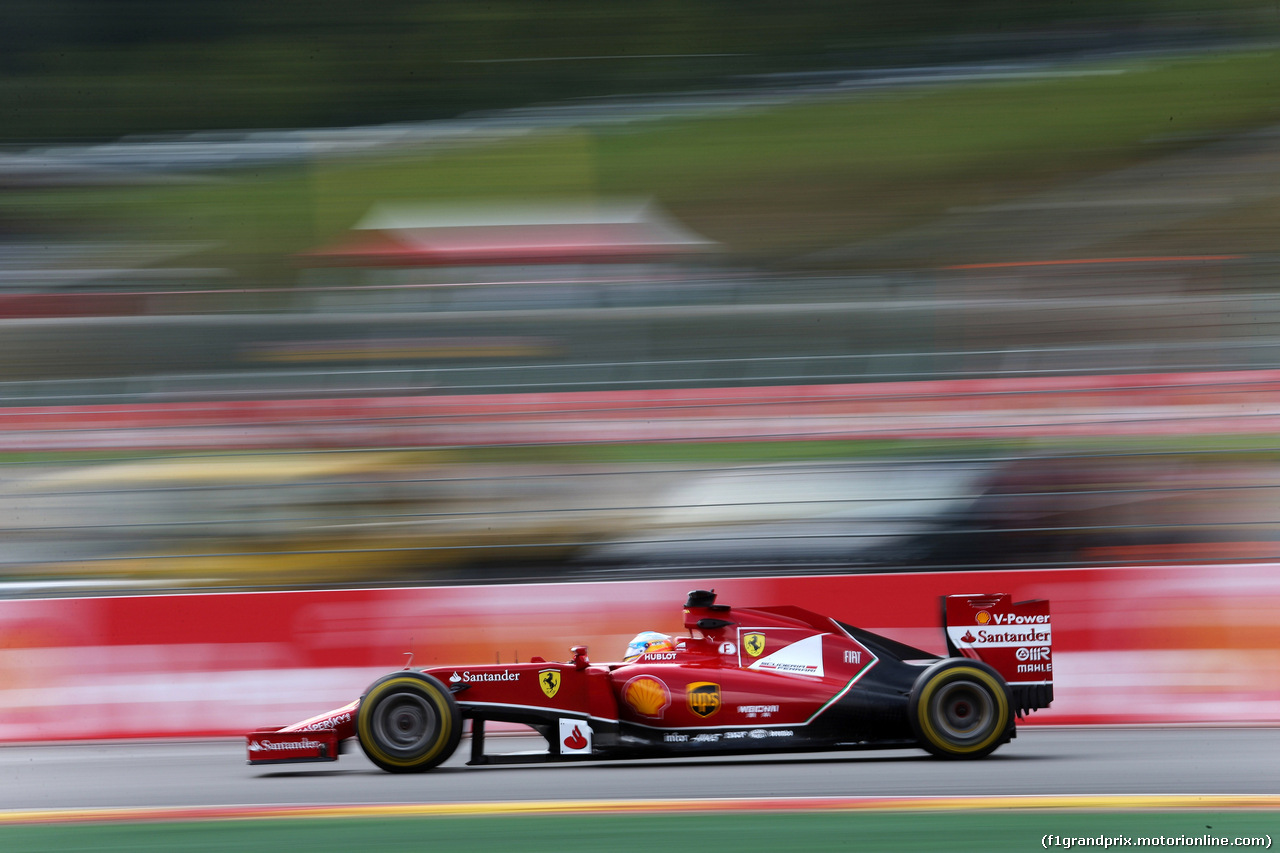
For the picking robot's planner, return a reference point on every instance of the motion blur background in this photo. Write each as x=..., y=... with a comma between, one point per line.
x=306, y=294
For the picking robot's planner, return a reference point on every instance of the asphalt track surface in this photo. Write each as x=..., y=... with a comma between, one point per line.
x=104, y=775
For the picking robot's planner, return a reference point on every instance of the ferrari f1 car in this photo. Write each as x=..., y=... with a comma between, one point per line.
x=745, y=680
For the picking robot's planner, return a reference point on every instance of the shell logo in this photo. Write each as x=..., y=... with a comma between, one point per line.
x=646, y=695
x=982, y=617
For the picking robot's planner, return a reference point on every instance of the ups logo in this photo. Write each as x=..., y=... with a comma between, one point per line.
x=704, y=698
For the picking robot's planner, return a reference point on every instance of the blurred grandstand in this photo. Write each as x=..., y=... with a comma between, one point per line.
x=977, y=312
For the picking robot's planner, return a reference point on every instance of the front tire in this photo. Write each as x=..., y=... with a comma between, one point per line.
x=408, y=722
x=960, y=708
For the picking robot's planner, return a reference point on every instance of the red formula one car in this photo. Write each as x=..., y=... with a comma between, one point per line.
x=745, y=680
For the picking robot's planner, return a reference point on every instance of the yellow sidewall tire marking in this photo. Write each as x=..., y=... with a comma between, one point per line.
x=947, y=675
x=432, y=694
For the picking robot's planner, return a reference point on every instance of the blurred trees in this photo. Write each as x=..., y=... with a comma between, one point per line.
x=103, y=68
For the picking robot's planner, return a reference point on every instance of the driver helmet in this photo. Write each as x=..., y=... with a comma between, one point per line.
x=646, y=642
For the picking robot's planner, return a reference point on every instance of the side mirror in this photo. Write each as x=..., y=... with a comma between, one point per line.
x=580, y=657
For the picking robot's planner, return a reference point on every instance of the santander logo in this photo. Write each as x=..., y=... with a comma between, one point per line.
x=575, y=740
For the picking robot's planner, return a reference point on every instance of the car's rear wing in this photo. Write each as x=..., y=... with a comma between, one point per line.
x=1015, y=639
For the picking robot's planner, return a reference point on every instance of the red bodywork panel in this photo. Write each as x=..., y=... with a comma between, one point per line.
x=772, y=666
x=540, y=685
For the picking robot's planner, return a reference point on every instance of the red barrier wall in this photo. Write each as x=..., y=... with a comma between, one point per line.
x=1167, y=644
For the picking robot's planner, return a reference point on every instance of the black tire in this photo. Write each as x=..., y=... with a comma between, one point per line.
x=408, y=722
x=960, y=708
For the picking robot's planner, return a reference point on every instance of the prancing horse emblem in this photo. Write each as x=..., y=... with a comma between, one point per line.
x=753, y=643
x=549, y=681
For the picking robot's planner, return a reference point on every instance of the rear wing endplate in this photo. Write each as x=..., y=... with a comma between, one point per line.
x=1014, y=638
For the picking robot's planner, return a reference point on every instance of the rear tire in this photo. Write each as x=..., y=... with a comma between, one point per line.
x=960, y=708
x=408, y=722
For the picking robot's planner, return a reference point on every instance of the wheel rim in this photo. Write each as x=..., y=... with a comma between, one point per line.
x=963, y=712
x=405, y=724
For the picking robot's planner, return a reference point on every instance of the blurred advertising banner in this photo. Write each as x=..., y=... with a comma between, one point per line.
x=1161, y=644
x=1222, y=402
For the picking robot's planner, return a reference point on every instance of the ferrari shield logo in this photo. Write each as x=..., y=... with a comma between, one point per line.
x=704, y=698
x=753, y=643
x=549, y=681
